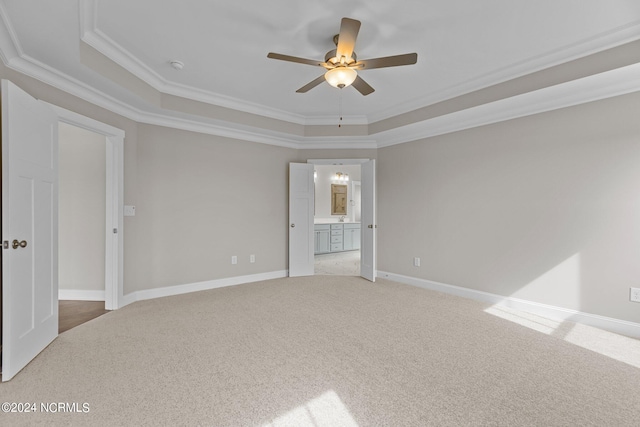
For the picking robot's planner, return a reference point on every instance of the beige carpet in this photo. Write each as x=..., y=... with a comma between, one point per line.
x=322, y=351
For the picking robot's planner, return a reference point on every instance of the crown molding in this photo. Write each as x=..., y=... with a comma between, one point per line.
x=39, y=71
x=9, y=44
x=91, y=35
x=338, y=143
x=116, y=53
x=604, y=85
x=608, y=40
x=332, y=120
x=95, y=38
x=612, y=83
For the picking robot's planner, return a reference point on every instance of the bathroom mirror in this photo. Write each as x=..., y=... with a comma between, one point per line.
x=338, y=199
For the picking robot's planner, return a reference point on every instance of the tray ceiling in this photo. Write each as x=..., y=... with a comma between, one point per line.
x=462, y=46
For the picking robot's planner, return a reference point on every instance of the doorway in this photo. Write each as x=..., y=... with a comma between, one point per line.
x=301, y=216
x=337, y=232
x=81, y=214
x=113, y=291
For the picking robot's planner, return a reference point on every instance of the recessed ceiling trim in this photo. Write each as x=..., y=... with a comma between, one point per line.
x=9, y=43
x=332, y=120
x=95, y=38
x=91, y=35
x=338, y=143
x=35, y=69
x=605, y=85
x=612, y=83
x=608, y=84
x=607, y=40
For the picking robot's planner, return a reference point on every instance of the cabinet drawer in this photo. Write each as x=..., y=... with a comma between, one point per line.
x=336, y=247
x=351, y=226
x=336, y=232
x=319, y=227
x=336, y=226
x=336, y=239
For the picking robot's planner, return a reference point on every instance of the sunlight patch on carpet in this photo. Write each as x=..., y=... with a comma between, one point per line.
x=617, y=347
x=325, y=410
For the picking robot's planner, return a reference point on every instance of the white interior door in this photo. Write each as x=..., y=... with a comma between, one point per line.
x=301, y=203
x=29, y=228
x=368, y=222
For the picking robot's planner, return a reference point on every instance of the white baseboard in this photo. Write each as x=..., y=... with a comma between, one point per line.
x=200, y=286
x=80, y=295
x=561, y=314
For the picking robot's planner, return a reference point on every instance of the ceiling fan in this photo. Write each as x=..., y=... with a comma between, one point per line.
x=342, y=63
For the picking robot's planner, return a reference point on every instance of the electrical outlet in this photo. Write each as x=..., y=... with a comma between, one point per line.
x=634, y=295
x=416, y=262
x=234, y=259
x=252, y=258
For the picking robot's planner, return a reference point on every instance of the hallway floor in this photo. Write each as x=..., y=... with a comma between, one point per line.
x=339, y=263
x=74, y=313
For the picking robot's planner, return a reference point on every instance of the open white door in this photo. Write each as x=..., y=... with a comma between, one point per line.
x=368, y=220
x=29, y=228
x=301, y=203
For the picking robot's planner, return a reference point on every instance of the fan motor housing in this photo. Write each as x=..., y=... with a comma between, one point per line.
x=332, y=58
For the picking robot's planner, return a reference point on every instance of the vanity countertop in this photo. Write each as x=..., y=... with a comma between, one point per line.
x=335, y=222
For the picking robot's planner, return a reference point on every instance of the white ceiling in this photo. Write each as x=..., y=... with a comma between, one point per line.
x=462, y=45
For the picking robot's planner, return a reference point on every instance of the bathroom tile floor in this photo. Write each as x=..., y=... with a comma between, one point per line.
x=339, y=263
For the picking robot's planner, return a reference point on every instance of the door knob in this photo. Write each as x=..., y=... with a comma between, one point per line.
x=293, y=226
x=16, y=244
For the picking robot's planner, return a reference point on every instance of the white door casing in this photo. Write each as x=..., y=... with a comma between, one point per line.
x=29, y=228
x=368, y=221
x=301, y=207
x=114, y=241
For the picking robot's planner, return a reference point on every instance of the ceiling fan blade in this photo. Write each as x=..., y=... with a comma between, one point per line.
x=362, y=86
x=347, y=38
x=294, y=59
x=311, y=85
x=387, y=61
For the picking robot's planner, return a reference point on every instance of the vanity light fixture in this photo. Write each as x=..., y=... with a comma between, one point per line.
x=341, y=177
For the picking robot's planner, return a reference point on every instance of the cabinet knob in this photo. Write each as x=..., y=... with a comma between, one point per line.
x=293, y=226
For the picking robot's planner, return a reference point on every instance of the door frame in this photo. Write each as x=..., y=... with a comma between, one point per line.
x=352, y=189
x=114, y=236
x=348, y=162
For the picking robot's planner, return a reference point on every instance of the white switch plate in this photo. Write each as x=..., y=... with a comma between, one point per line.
x=129, y=210
x=634, y=295
x=234, y=259
x=252, y=258
x=416, y=262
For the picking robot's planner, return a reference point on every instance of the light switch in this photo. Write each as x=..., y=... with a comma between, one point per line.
x=129, y=210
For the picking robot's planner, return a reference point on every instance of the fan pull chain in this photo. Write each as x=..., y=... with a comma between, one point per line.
x=340, y=108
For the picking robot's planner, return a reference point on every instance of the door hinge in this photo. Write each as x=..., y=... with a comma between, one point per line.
x=115, y=231
x=5, y=244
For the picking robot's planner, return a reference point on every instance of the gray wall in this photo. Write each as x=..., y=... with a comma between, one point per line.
x=81, y=209
x=199, y=199
x=544, y=208
x=203, y=199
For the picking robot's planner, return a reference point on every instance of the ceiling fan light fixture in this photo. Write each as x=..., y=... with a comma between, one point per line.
x=340, y=77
